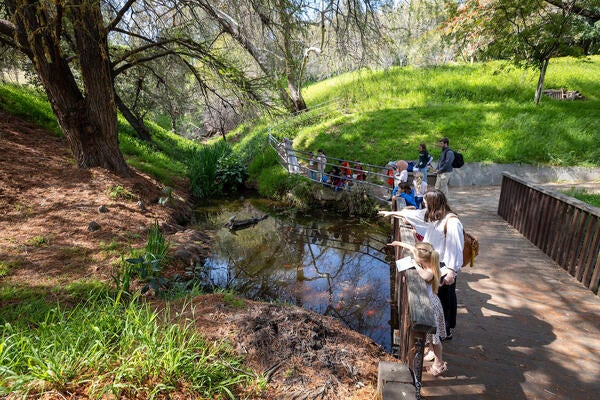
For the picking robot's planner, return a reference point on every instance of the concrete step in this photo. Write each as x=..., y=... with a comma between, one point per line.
x=395, y=381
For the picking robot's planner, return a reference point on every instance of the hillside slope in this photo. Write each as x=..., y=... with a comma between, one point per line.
x=46, y=205
x=486, y=109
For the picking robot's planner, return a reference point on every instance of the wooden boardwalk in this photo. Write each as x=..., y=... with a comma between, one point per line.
x=526, y=329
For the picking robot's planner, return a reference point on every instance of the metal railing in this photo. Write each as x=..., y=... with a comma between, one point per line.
x=566, y=229
x=298, y=161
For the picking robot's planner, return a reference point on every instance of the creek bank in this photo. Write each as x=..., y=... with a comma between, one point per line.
x=47, y=204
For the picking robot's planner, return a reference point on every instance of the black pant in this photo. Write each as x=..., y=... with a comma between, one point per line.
x=447, y=295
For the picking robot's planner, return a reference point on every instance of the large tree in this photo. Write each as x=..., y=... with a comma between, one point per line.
x=528, y=32
x=281, y=35
x=87, y=114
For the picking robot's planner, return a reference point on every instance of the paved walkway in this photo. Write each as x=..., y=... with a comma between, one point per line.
x=526, y=329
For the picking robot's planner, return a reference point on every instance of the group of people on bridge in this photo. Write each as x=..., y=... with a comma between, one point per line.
x=438, y=253
x=341, y=176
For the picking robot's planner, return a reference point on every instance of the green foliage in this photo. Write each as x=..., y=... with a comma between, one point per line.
x=584, y=195
x=30, y=104
x=274, y=181
x=109, y=349
x=7, y=266
x=230, y=173
x=119, y=192
x=485, y=109
x=38, y=241
x=233, y=300
x=264, y=159
x=148, y=266
x=157, y=244
x=215, y=170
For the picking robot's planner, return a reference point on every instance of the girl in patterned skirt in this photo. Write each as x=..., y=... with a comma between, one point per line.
x=427, y=264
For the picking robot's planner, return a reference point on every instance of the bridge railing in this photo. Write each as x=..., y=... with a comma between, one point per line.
x=412, y=306
x=566, y=229
x=375, y=176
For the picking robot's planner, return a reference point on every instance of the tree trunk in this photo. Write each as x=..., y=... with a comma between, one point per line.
x=540, y=85
x=135, y=122
x=89, y=123
x=298, y=103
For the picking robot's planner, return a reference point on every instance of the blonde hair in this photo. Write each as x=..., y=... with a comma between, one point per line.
x=418, y=178
x=425, y=253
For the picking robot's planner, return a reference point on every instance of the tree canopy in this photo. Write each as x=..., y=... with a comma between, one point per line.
x=528, y=32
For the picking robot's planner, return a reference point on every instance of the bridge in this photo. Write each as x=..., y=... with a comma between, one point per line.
x=373, y=177
x=528, y=323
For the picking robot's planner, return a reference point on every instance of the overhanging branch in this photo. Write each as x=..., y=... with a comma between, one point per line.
x=592, y=14
x=120, y=15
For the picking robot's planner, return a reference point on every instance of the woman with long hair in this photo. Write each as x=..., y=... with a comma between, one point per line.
x=441, y=227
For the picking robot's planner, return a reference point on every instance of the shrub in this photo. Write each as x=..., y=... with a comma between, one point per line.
x=215, y=170
x=230, y=174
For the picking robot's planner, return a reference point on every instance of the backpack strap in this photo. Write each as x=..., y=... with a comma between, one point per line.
x=450, y=215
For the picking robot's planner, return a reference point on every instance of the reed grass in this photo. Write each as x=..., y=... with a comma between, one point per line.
x=103, y=348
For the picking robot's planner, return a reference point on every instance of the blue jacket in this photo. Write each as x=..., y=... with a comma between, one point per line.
x=446, y=160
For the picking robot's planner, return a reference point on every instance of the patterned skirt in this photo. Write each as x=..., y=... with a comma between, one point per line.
x=438, y=314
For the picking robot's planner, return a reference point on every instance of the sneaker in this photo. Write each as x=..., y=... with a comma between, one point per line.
x=429, y=356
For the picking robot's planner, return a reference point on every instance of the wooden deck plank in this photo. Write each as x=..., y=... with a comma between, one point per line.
x=526, y=329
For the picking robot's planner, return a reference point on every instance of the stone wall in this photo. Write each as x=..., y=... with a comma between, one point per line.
x=480, y=174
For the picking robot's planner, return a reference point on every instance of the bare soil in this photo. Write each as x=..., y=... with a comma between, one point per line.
x=46, y=207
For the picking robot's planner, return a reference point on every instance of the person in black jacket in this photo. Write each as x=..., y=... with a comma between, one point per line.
x=424, y=160
x=444, y=167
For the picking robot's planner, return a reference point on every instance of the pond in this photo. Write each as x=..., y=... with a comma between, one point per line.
x=332, y=265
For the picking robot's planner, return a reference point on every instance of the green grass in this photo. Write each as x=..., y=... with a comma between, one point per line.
x=486, y=110
x=585, y=196
x=103, y=348
x=30, y=104
x=164, y=158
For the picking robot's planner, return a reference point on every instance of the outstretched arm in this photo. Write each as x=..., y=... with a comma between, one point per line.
x=402, y=244
x=389, y=214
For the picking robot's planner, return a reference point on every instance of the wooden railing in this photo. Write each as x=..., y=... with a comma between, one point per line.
x=412, y=306
x=566, y=229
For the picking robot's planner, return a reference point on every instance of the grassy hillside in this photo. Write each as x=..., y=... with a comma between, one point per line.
x=486, y=110
x=163, y=159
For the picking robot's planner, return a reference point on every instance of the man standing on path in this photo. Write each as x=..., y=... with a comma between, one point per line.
x=444, y=167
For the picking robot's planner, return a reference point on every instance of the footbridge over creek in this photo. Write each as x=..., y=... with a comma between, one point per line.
x=529, y=311
x=337, y=173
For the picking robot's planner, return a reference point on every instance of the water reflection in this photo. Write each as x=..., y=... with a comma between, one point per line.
x=335, y=267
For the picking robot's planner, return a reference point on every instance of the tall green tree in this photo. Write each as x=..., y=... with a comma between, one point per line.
x=527, y=32
x=281, y=35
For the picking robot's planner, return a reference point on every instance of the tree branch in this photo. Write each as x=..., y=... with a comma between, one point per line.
x=137, y=50
x=592, y=14
x=143, y=60
x=120, y=15
x=7, y=33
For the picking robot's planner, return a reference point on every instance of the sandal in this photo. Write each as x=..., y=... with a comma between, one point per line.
x=438, y=371
x=429, y=356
